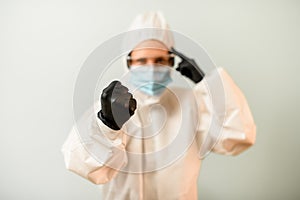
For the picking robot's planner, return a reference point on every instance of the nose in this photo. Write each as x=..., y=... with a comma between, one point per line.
x=151, y=61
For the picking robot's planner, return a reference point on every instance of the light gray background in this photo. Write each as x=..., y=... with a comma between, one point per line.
x=44, y=43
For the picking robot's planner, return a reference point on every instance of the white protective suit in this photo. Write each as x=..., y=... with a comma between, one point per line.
x=166, y=175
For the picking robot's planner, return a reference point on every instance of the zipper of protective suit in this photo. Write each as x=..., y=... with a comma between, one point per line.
x=141, y=178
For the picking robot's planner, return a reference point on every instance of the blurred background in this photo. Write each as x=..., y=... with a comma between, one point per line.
x=45, y=43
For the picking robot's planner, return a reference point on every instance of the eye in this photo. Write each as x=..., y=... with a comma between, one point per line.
x=161, y=60
x=140, y=61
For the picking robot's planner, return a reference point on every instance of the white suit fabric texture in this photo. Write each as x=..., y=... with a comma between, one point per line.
x=149, y=25
x=156, y=123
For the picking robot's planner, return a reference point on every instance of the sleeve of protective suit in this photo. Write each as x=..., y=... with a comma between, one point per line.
x=226, y=125
x=94, y=151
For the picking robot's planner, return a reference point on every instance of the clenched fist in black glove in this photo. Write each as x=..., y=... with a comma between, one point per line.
x=188, y=67
x=117, y=105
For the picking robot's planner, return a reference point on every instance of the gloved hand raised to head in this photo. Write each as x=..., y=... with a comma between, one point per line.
x=188, y=67
x=117, y=105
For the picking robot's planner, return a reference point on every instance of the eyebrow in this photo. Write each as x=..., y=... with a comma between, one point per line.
x=154, y=57
x=140, y=59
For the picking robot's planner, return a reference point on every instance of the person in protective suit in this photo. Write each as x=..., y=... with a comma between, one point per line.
x=151, y=136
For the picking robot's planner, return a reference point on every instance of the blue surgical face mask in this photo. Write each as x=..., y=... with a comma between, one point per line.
x=150, y=79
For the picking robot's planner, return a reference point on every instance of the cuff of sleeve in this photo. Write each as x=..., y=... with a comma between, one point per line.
x=108, y=136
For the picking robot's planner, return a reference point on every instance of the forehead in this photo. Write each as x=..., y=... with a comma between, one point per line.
x=150, y=48
x=149, y=52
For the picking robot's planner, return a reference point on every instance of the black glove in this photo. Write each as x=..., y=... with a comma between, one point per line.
x=117, y=105
x=188, y=67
